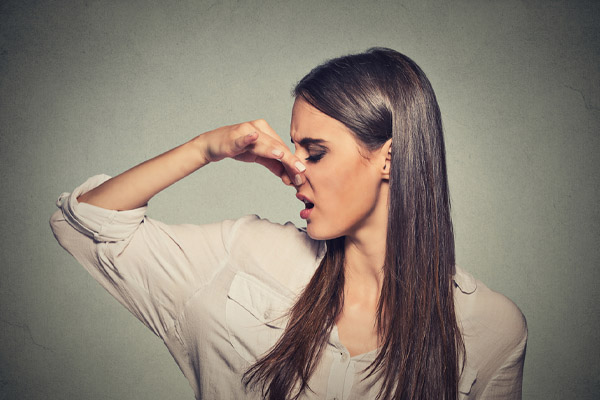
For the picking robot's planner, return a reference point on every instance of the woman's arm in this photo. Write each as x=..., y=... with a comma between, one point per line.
x=249, y=142
x=506, y=383
x=150, y=267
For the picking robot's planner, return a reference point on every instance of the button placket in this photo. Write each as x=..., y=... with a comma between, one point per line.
x=342, y=372
x=339, y=379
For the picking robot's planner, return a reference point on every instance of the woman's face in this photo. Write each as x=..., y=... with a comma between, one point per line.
x=345, y=190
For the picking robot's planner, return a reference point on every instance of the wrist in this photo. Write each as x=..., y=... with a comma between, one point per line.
x=199, y=146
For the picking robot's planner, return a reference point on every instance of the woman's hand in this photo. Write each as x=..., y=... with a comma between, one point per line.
x=257, y=142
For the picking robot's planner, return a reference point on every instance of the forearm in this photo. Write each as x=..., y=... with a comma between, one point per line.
x=253, y=141
x=134, y=187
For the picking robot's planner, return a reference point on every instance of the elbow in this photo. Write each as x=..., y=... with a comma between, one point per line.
x=55, y=221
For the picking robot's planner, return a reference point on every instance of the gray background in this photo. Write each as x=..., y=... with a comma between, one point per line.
x=98, y=86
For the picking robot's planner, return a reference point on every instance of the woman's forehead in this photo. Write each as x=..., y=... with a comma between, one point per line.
x=310, y=123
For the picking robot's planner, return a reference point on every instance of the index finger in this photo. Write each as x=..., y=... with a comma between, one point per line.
x=294, y=168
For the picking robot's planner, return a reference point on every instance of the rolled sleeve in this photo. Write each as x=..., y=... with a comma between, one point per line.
x=150, y=267
x=98, y=223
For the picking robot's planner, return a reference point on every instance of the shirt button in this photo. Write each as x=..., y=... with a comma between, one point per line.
x=344, y=357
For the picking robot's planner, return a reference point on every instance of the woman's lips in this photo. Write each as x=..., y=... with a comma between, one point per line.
x=304, y=214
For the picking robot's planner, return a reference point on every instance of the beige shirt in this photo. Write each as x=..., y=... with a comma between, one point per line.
x=215, y=295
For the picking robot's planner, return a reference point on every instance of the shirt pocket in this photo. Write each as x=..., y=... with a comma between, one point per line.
x=466, y=382
x=256, y=316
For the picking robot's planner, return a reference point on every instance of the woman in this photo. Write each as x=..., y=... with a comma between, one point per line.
x=364, y=303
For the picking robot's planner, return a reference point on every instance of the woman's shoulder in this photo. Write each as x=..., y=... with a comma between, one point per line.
x=257, y=231
x=488, y=314
x=494, y=331
x=284, y=251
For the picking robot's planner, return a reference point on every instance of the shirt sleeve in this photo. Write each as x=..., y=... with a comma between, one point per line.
x=506, y=383
x=150, y=267
x=505, y=344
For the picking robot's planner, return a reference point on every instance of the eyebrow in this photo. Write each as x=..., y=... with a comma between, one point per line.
x=304, y=142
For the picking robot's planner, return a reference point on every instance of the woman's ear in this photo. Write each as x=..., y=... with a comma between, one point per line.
x=386, y=152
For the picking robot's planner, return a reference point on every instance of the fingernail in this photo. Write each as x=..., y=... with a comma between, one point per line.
x=300, y=167
x=298, y=180
x=277, y=152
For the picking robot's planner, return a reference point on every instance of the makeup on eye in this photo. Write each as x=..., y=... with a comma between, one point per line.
x=314, y=148
x=315, y=152
x=315, y=157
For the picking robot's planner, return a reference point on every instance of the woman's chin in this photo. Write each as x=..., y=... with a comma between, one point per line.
x=319, y=233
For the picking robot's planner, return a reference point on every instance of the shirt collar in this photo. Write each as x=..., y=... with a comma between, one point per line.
x=464, y=281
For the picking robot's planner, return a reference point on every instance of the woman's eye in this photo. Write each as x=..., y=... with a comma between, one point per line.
x=314, y=157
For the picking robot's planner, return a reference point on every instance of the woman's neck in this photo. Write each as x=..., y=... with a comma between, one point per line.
x=363, y=279
x=364, y=261
x=365, y=254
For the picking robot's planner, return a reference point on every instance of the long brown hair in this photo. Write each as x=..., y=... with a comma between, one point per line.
x=378, y=95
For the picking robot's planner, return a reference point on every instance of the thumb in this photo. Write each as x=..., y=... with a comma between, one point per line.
x=242, y=142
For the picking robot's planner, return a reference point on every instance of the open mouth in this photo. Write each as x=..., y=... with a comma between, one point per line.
x=308, y=205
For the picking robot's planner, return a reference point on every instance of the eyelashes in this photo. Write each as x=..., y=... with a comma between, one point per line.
x=315, y=157
x=313, y=152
